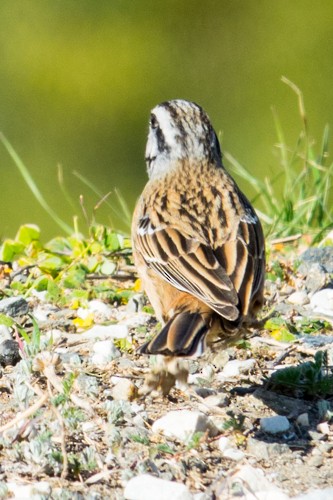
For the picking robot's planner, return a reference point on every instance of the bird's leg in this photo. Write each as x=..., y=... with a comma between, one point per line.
x=167, y=371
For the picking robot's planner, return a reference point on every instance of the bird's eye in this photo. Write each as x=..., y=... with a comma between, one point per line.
x=153, y=121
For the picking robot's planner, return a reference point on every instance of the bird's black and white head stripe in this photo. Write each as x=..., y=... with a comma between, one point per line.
x=179, y=130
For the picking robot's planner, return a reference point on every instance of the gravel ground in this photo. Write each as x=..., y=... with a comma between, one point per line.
x=76, y=421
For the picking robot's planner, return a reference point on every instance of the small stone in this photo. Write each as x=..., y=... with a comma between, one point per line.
x=220, y=400
x=256, y=485
x=9, y=353
x=326, y=494
x=182, y=424
x=4, y=333
x=147, y=487
x=274, y=425
x=299, y=298
x=204, y=392
x=104, y=352
x=235, y=367
x=14, y=306
x=223, y=443
x=316, y=461
x=323, y=428
x=266, y=451
x=234, y=454
x=135, y=303
x=106, y=332
x=316, y=276
x=322, y=256
x=124, y=389
x=100, y=309
x=25, y=491
x=303, y=420
x=322, y=302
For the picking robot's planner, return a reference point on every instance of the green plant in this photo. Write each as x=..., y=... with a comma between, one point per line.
x=305, y=205
x=312, y=379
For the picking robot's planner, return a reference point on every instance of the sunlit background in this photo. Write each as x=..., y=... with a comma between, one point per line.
x=78, y=79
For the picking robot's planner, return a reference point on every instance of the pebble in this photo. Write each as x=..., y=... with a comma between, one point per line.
x=123, y=389
x=220, y=400
x=323, y=428
x=25, y=491
x=4, y=333
x=326, y=494
x=147, y=487
x=322, y=256
x=303, y=420
x=299, y=298
x=316, y=461
x=14, y=306
x=100, y=309
x=106, y=332
x=316, y=276
x=228, y=451
x=235, y=367
x=274, y=425
x=135, y=303
x=182, y=424
x=9, y=353
x=234, y=454
x=265, y=451
x=104, y=352
x=252, y=480
x=322, y=301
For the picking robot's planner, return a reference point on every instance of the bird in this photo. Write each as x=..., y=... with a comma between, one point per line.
x=198, y=245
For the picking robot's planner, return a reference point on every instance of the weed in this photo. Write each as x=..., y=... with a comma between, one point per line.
x=305, y=205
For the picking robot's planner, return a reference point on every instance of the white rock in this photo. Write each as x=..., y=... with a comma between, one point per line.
x=42, y=312
x=181, y=424
x=322, y=301
x=303, y=420
x=274, y=425
x=326, y=494
x=323, y=428
x=219, y=400
x=123, y=389
x=25, y=492
x=228, y=451
x=104, y=352
x=223, y=443
x=261, y=487
x=100, y=308
x=234, y=454
x=235, y=367
x=5, y=333
x=104, y=332
x=147, y=487
x=299, y=298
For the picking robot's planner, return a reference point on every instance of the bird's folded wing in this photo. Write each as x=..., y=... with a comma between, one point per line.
x=192, y=267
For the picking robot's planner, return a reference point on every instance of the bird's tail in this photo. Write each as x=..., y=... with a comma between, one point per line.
x=183, y=335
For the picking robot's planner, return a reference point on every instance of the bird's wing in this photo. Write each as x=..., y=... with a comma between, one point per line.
x=223, y=277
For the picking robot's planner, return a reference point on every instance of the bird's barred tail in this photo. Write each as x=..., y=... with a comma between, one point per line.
x=183, y=335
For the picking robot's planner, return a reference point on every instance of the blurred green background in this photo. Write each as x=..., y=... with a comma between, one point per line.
x=79, y=77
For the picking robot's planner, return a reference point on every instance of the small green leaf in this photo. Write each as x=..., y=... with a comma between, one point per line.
x=75, y=277
x=50, y=263
x=274, y=323
x=10, y=249
x=59, y=245
x=6, y=320
x=28, y=233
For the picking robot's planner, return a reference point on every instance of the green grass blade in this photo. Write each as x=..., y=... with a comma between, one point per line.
x=33, y=187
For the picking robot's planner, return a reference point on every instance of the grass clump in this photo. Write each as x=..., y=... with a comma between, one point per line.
x=305, y=205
